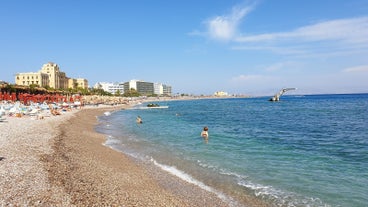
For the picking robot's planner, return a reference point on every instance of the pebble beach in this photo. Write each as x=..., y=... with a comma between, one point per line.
x=62, y=161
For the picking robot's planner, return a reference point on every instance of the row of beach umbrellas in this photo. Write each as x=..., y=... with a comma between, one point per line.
x=26, y=98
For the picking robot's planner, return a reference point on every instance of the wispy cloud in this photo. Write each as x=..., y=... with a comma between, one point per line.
x=225, y=27
x=360, y=68
x=338, y=36
x=353, y=30
x=334, y=37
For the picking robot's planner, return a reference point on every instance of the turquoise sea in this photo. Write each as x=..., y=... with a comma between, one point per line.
x=307, y=150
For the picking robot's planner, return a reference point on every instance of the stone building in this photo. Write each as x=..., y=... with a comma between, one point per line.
x=50, y=76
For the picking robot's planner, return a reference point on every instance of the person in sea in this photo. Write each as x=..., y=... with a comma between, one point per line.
x=204, y=134
x=139, y=120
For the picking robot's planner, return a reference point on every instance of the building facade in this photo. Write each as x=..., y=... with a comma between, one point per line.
x=31, y=78
x=112, y=88
x=50, y=76
x=82, y=83
x=220, y=93
x=148, y=88
x=162, y=89
x=142, y=87
x=53, y=71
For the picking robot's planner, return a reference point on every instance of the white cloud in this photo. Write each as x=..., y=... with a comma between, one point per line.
x=337, y=37
x=328, y=38
x=361, y=68
x=225, y=27
x=353, y=30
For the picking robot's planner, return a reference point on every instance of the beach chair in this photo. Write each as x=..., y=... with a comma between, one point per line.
x=2, y=119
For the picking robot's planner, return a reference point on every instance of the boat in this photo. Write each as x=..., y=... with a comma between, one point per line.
x=152, y=106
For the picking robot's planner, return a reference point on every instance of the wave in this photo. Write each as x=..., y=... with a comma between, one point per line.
x=186, y=177
x=279, y=197
x=264, y=192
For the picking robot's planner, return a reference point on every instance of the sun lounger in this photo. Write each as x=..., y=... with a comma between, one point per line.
x=2, y=119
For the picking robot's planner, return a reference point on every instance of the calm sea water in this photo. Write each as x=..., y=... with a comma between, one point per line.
x=302, y=151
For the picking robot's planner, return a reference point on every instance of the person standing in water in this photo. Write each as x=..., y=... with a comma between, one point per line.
x=139, y=120
x=204, y=134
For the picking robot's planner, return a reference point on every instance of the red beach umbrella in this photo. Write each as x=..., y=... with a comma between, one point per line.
x=20, y=96
x=13, y=96
x=38, y=98
x=6, y=96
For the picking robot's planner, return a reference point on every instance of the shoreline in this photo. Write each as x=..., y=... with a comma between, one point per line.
x=69, y=165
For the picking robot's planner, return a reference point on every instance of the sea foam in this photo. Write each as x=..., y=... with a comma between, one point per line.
x=186, y=177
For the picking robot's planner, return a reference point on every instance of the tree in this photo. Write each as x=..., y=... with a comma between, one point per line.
x=117, y=93
x=32, y=88
x=131, y=93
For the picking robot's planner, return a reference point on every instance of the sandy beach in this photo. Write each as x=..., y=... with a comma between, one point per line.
x=61, y=161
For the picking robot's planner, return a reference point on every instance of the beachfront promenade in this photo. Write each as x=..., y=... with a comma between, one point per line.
x=59, y=160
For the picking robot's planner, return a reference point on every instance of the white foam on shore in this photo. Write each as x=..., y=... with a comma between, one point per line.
x=186, y=177
x=265, y=192
x=280, y=197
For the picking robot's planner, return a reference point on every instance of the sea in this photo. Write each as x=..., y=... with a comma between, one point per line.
x=305, y=150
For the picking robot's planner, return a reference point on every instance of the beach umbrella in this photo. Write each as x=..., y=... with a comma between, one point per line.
x=29, y=97
x=25, y=98
x=34, y=98
x=57, y=97
x=42, y=98
x=13, y=96
x=38, y=98
x=20, y=96
x=47, y=97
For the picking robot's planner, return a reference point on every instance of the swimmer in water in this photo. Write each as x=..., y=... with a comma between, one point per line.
x=139, y=120
x=204, y=134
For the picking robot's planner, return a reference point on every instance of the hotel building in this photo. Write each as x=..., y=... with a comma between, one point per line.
x=142, y=87
x=112, y=88
x=50, y=76
x=162, y=89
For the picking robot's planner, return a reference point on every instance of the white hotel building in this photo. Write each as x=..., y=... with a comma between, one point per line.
x=112, y=88
x=142, y=87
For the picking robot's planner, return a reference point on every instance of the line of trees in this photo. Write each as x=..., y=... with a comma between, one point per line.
x=36, y=89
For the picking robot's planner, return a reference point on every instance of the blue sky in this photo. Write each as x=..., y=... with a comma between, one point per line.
x=197, y=47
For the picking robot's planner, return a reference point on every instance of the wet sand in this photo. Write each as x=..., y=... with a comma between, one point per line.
x=61, y=161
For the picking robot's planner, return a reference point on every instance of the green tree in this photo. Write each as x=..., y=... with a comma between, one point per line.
x=117, y=93
x=131, y=93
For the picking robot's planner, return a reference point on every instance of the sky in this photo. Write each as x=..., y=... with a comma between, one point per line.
x=249, y=47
